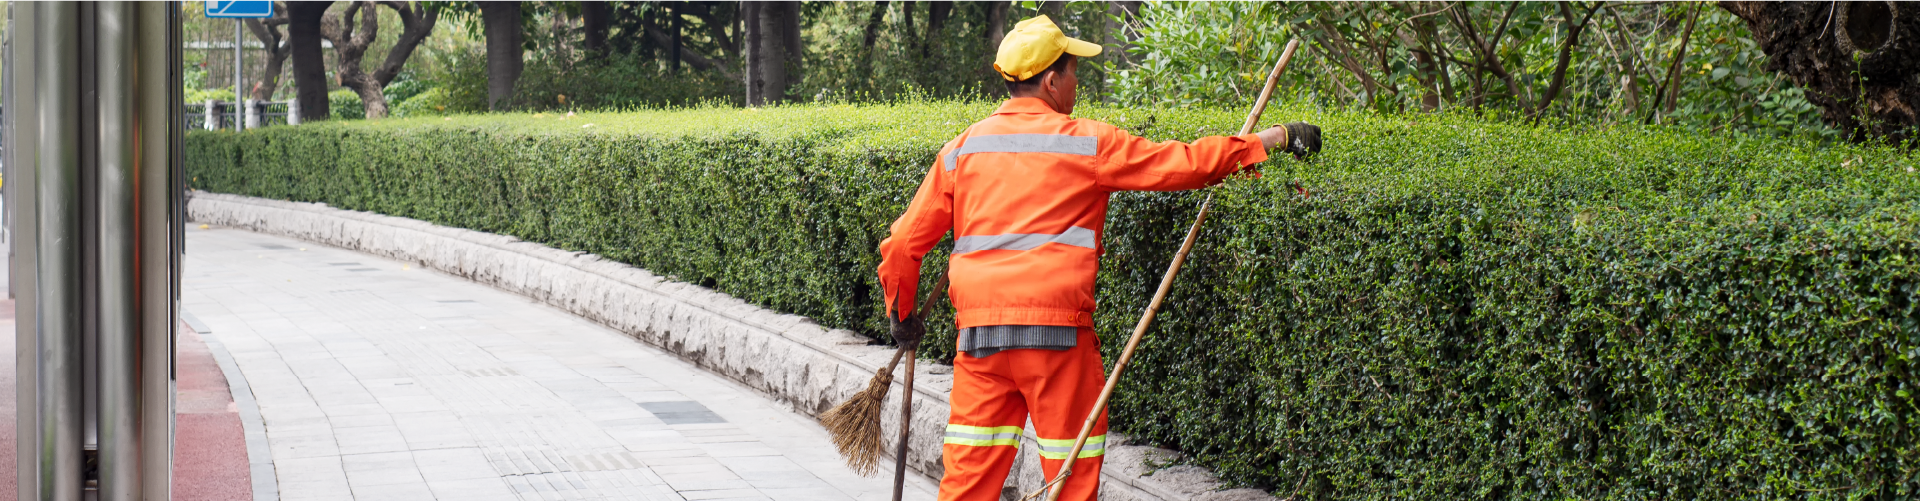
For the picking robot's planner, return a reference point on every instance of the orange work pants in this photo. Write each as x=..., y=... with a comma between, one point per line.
x=992, y=400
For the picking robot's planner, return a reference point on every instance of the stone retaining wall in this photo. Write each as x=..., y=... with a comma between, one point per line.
x=788, y=357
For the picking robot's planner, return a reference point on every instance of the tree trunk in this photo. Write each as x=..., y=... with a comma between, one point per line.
x=750, y=56
x=773, y=50
x=875, y=18
x=678, y=49
x=416, y=23
x=789, y=21
x=1430, y=64
x=593, y=21
x=906, y=15
x=1428, y=74
x=766, y=60
x=678, y=44
x=1671, y=89
x=504, y=38
x=275, y=42
x=350, y=47
x=996, y=25
x=1123, y=18
x=1055, y=10
x=309, y=65
x=1566, y=54
x=1815, y=45
x=936, y=21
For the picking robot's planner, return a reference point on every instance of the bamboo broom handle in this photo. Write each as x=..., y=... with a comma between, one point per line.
x=1052, y=489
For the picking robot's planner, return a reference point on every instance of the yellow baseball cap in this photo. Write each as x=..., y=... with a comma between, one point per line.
x=1033, y=45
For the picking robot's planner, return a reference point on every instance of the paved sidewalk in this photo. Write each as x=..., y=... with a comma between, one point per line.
x=379, y=380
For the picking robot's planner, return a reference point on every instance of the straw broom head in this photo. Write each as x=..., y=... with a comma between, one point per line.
x=855, y=423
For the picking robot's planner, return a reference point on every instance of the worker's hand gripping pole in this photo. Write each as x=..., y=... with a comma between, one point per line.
x=1052, y=488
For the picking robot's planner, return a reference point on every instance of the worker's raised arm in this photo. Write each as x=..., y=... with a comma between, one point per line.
x=928, y=218
x=1134, y=163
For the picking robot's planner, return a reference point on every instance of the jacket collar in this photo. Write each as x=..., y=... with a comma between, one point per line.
x=1024, y=105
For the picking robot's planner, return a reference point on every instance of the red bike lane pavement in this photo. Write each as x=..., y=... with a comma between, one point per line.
x=210, y=450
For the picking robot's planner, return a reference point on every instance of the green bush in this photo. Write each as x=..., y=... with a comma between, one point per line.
x=431, y=102
x=609, y=83
x=344, y=104
x=617, y=83
x=1440, y=306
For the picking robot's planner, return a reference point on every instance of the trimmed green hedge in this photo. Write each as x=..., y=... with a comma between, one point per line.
x=1438, y=307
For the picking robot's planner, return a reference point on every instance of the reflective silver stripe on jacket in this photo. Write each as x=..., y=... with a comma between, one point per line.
x=1074, y=236
x=1024, y=143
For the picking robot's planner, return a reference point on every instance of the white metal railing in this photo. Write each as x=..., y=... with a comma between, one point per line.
x=252, y=114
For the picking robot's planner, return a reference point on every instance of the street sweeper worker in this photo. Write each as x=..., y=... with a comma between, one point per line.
x=1025, y=192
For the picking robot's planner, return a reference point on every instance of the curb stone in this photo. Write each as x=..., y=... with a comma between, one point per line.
x=787, y=357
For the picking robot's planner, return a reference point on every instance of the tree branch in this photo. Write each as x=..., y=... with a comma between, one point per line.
x=1342, y=52
x=414, y=28
x=693, y=58
x=1671, y=87
x=1566, y=55
x=1488, y=51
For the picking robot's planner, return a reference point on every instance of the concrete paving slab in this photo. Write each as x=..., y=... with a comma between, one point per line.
x=403, y=383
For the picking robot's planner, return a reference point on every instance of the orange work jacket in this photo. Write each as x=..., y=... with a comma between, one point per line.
x=1025, y=192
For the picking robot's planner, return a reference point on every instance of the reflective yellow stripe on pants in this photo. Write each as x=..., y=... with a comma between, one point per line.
x=1057, y=449
x=979, y=436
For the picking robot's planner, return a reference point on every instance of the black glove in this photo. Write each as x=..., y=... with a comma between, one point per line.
x=909, y=332
x=1303, y=139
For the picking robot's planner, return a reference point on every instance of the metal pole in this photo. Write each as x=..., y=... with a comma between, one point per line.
x=22, y=138
x=237, y=124
x=118, y=324
x=58, y=163
x=160, y=107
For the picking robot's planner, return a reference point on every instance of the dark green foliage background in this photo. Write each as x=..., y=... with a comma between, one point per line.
x=1440, y=306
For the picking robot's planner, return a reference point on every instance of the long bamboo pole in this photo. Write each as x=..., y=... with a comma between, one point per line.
x=1052, y=488
x=906, y=392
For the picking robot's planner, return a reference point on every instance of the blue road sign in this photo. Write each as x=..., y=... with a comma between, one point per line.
x=239, y=8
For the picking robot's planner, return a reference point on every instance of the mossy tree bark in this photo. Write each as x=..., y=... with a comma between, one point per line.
x=1859, y=61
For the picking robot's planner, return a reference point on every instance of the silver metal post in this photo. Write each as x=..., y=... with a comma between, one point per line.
x=237, y=98
x=58, y=163
x=118, y=324
x=22, y=138
x=95, y=328
x=158, y=181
